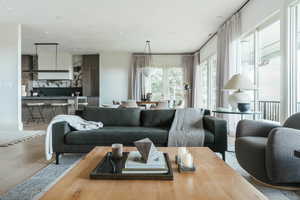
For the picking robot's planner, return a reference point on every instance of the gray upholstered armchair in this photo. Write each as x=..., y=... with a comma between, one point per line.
x=266, y=150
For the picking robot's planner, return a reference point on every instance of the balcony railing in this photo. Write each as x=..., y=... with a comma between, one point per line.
x=271, y=109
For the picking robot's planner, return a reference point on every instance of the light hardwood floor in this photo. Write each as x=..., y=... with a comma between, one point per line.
x=21, y=161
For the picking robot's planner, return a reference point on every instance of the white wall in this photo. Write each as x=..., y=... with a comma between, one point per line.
x=10, y=77
x=114, y=76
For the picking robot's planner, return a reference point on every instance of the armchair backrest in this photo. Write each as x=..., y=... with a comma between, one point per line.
x=293, y=121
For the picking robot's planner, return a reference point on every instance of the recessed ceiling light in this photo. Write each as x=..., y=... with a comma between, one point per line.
x=46, y=32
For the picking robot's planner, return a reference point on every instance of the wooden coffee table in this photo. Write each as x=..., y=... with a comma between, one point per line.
x=213, y=179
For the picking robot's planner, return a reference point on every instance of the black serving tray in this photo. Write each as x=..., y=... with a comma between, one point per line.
x=109, y=168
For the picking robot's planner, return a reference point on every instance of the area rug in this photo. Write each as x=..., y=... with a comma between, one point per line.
x=38, y=184
x=13, y=137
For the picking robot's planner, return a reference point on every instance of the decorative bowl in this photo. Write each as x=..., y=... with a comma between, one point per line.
x=244, y=107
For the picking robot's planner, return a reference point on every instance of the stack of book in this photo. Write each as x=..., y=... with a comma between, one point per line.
x=135, y=165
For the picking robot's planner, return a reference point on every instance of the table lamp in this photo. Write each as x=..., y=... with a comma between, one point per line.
x=239, y=84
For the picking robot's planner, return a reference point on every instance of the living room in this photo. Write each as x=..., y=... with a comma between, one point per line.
x=153, y=100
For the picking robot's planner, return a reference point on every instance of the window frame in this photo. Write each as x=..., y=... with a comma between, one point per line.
x=257, y=52
x=209, y=83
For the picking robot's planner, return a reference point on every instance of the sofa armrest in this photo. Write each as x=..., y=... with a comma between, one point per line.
x=254, y=128
x=218, y=127
x=59, y=130
x=281, y=164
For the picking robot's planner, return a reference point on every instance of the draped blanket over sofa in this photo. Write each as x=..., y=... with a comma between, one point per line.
x=126, y=125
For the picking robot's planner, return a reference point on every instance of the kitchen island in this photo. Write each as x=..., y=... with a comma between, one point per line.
x=48, y=110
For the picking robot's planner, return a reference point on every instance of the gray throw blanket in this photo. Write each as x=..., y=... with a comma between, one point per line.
x=187, y=128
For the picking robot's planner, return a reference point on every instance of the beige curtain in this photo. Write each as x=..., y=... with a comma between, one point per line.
x=137, y=88
x=188, y=69
x=196, y=81
x=228, y=63
x=227, y=55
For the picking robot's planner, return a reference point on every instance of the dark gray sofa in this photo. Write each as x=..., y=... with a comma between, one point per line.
x=266, y=150
x=126, y=125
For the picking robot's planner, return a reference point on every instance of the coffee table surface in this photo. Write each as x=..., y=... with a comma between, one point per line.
x=214, y=179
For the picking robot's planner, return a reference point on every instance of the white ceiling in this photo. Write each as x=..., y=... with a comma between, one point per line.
x=117, y=25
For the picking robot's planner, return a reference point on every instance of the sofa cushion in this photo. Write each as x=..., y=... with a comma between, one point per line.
x=157, y=118
x=125, y=135
x=113, y=116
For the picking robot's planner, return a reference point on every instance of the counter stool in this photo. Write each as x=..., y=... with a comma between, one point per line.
x=36, y=116
x=56, y=106
x=81, y=102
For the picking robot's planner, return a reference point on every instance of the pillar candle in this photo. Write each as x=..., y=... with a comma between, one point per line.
x=181, y=152
x=188, y=160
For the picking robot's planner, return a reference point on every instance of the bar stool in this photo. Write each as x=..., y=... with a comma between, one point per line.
x=81, y=102
x=35, y=116
x=56, y=106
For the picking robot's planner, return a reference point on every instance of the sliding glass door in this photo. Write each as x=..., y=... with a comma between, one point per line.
x=260, y=60
x=294, y=76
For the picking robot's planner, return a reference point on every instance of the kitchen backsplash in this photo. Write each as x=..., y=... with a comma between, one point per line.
x=51, y=84
x=75, y=82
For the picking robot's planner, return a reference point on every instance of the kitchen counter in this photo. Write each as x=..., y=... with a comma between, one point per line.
x=48, y=98
x=47, y=111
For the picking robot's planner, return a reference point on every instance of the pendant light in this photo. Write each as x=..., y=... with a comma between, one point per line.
x=147, y=70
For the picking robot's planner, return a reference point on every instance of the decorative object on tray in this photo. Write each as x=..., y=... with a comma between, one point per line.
x=117, y=151
x=146, y=163
x=147, y=150
x=184, y=160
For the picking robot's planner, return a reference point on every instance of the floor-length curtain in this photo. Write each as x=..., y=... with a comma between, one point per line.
x=196, y=81
x=137, y=78
x=187, y=64
x=227, y=56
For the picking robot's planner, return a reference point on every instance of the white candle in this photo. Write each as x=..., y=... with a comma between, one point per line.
x=188, y=160
x=181, y=152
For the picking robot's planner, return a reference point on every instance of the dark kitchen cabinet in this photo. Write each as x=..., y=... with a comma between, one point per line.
x=90, y=75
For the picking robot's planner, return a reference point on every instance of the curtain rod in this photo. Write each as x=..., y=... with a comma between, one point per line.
x=211, y=37
x=165, y=54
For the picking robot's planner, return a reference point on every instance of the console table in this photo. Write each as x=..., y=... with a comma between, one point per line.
x=242, y=114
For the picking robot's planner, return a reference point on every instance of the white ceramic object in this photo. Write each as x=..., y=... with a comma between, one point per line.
x=238, y=97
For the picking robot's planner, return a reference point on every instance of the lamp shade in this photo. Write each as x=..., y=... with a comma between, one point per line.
x=239, y=82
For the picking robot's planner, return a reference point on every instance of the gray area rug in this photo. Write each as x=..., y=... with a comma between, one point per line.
x=13, y=137
x=34, y=187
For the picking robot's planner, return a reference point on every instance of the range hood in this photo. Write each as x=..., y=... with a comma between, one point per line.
x=46, y=64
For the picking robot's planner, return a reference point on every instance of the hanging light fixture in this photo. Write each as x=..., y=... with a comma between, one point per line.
x=147, y=70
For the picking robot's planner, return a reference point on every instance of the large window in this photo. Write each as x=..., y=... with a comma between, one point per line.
x=261, y=63
x=166, y=83
x=295, y=58
x=207, y=87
